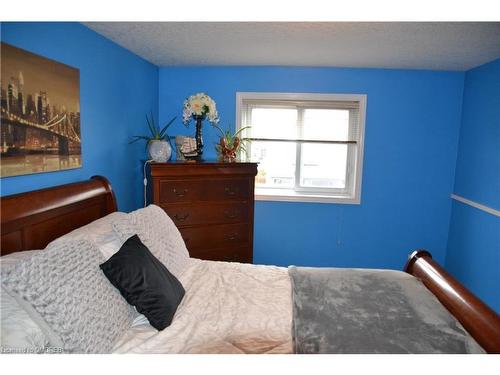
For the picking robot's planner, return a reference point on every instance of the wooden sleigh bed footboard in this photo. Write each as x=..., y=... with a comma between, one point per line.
x=476, y=317
x=31, y=220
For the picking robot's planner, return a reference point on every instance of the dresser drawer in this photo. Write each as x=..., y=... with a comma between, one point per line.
x=179, y=191
x=214, y=235
x=189, y=214
x=225, y=189
x=228, y=254
x=185, y=191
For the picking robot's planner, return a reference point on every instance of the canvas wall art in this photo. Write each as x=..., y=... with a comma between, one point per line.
x=40, y=122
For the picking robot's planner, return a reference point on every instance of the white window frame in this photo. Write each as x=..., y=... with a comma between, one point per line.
x=287, y=195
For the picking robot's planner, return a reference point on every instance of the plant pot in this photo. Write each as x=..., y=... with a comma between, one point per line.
x=159, y=151
x=228, y=154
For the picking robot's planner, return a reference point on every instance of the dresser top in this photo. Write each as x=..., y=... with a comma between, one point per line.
x=204, y=162
x=182, y=167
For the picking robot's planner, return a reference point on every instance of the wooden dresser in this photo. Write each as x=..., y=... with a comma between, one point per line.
x=211, y=203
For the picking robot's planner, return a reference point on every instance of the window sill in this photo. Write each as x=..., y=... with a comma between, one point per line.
x=290, y=196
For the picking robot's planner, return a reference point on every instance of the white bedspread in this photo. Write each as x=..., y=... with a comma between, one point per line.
x=228, y=308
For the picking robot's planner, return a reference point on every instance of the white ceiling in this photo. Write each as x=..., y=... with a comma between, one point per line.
x=413, y=45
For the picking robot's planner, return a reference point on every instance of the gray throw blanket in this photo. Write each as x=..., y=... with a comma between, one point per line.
x=339, y=310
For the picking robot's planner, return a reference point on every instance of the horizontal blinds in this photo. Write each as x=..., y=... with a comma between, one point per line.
x=344, y=104
x=354, y=124
x=304, y=140
x=327, y=135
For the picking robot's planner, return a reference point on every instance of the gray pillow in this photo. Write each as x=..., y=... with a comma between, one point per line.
x=159, y=233
x=64, y=291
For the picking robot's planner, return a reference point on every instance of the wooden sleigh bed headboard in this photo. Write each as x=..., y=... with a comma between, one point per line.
x=31, y=220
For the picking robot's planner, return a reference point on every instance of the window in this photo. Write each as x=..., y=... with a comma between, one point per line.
x=309, y=146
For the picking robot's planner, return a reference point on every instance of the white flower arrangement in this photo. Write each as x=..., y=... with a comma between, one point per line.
x=200, y=104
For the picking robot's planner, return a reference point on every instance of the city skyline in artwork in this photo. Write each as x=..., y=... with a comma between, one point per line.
x=40, y=114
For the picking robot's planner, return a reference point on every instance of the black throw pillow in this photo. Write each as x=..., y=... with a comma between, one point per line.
x=144, y=282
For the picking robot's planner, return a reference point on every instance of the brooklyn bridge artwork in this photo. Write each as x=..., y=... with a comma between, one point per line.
x=40, y=106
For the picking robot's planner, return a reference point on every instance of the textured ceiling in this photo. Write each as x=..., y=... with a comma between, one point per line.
x=414, y=45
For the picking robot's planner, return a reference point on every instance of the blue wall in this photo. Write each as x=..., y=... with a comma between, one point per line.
x=117, y=89
x=478, y=162
x=473, y=253
x=412, y=125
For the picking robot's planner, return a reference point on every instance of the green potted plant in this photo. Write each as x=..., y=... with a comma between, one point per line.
x=230, y=144
x=158, y=143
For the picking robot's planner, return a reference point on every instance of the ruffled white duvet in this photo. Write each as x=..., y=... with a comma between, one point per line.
x=227, y=308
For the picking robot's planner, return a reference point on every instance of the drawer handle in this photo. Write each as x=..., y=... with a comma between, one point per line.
x=230, y=191
x=181, y=218
x=231, y=237
x=231, y=215
x=180, y=194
